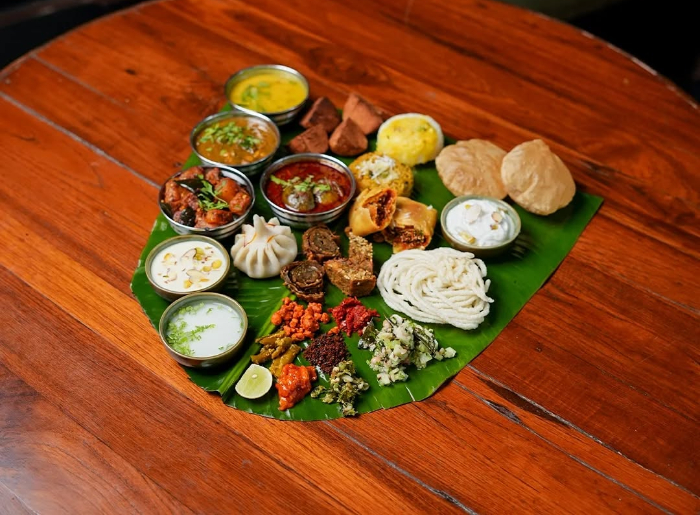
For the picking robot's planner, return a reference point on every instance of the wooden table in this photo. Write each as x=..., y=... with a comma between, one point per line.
x=588, y=401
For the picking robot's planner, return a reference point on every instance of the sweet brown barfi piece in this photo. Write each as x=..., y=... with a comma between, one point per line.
x=350, y=279
x=348, y=139
x=360, y=252
x=364, y=114
x=314, y=139
x=353, y=275
x=322, y=113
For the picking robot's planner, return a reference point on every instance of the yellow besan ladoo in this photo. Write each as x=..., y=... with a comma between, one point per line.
x=410, y=138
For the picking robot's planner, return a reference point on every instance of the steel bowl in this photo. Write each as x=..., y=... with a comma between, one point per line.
x=222, y=231
x=246, y=169
x=480, y=251
x=303, y=220
x=279, y=117
x=204, y=361
x=172, y=294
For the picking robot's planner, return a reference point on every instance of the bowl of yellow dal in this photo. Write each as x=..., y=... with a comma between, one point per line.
x=276, y=91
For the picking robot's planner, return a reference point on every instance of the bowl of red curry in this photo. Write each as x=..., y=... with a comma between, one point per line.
x=308, y=189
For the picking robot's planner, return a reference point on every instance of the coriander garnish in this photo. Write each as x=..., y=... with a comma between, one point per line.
x=230, y=134
x=302, y=186
x=179, y=338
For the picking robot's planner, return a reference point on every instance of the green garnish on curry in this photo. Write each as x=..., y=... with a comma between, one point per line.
x=237, y=141
x=230, y=134
x=307, y=184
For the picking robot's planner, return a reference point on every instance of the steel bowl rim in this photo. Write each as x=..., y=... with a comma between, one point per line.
x=192, y=297
x=313, y=157
x=171, y=241
x=205, y=231
x=457, y=200
x=250, y=69
x=205, y=122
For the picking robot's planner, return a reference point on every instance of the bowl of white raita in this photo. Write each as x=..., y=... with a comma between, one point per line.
x=203, y=329
x=481, y=225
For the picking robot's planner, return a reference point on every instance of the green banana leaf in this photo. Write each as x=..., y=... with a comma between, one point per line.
x=515, y=277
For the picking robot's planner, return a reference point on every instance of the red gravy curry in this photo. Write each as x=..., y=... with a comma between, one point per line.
x=308, y=187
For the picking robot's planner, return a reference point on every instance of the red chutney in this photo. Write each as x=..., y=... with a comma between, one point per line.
x=293, y=384
x=351, y=316
x=308, y=187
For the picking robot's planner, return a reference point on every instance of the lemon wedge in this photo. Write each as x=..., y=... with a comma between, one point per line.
x=254, y=383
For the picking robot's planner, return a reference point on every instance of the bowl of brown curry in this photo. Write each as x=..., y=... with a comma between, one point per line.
x=244, y=140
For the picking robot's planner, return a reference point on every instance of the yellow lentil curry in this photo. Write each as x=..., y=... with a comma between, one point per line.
x=269, y=92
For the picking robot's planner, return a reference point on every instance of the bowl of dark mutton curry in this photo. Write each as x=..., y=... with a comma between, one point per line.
x=207, y=200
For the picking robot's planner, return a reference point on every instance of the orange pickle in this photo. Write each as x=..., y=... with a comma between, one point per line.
x=293, y=384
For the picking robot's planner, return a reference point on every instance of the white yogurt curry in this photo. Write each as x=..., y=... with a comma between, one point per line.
x=204, y=329
x=187, y=266
x=480, y=222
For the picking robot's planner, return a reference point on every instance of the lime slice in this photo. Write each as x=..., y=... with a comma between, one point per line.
x=255, y=382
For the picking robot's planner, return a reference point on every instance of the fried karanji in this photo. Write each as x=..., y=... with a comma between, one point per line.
x=412, y=225
x=372, y=211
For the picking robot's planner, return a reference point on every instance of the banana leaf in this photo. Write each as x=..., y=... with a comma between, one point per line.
x=543, y=244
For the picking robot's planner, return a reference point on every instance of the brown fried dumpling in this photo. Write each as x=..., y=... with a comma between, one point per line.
x=412, y=226
x=372, y=211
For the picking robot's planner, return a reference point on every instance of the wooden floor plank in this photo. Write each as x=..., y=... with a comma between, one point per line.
x=593, y=73
x=42, y=448
x=577, y=443
x=645, y=339
x=11, y=504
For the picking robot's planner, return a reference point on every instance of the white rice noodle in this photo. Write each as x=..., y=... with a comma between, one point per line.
x=441, y=286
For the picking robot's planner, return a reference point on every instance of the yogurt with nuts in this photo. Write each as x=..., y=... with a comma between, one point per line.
x=480, y=222
x=188, y=266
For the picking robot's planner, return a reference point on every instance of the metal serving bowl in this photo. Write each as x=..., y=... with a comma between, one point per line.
x=222, y=231
x=171, y=294
x=206, y=361
x=479, y=251
x=279, y=117
x=303, y=220
x=246, y=169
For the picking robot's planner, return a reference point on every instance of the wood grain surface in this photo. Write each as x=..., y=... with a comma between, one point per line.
x=587, y=402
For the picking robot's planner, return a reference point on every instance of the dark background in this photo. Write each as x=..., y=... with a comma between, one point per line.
x=662, y=34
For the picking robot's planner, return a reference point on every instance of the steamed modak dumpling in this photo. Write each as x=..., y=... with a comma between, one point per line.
x=262, y=249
